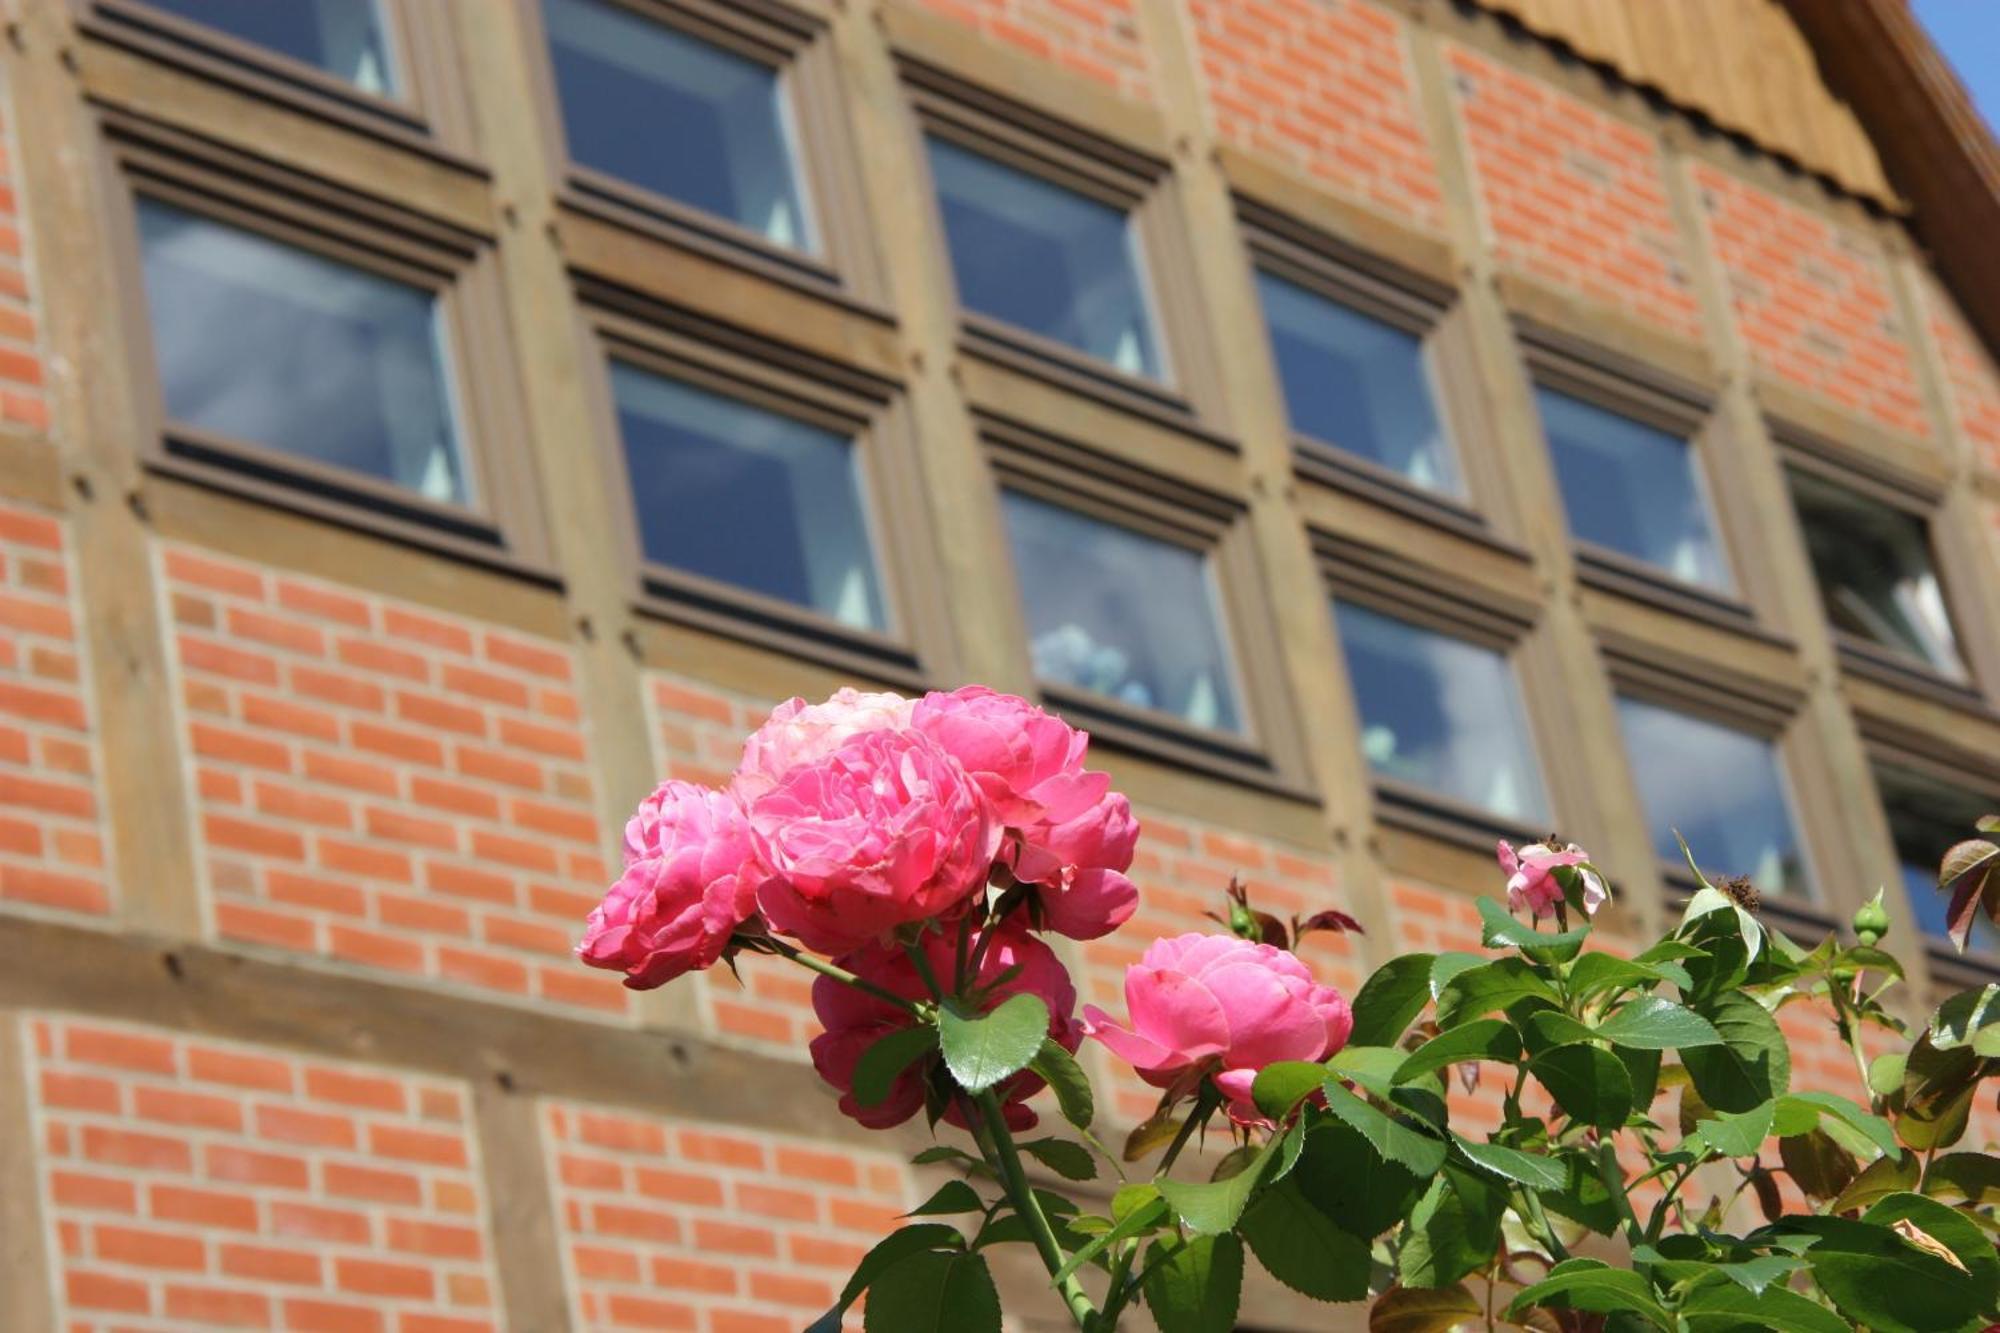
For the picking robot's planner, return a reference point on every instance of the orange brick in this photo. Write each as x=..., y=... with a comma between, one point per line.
x=102, y=1291
x=312, y=1316
x=205, y=1208
x=218, y=1307
x=141, y=1248
x=373, y=1277
x=266, y=1264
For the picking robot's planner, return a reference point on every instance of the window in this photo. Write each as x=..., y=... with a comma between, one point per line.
x=1121, y=614
x=1632, y=488
x=345, y=38
x=746, y=496
x=261, y=342
x=1442, y=714
x=1357, y=383
x=1044, y=258
x=1925, y=819
x=1721, y=788
x=1876, y=578
x=673, y=114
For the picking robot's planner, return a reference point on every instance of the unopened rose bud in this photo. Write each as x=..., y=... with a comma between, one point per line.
x=1871, y=920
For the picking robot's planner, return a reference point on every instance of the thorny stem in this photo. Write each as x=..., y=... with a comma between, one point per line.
x=1658, y=1221
x=1540, y=1221
x=992, y=1130
x=923, y=966
x=1846, y=1019
x=1204, y=1107
x=841, y=974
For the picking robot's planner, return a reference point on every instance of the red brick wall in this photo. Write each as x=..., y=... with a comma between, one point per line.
x=51, y=834
x=1573, y=196
x=1323, y=87
x=386, y=786
x=1096, y=38
x=1813, y=302
x=22, y=403
x=681, y=1225
x=193, y=1184
x=1970, y=374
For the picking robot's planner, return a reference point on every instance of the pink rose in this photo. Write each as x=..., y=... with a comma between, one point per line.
x=1532, y=883
x=1222, y=1003
x=884, y=830
x=691, y=878
x=854, y=1021
x=799, y=733
x=1078, y=867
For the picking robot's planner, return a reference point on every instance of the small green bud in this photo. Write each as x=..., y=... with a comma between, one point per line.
x=1871, y=920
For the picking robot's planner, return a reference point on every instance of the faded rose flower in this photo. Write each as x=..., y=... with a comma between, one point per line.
x=1532, y=884
x=798, y=733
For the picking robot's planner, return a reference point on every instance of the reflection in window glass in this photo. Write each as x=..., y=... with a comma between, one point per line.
x=1632, y=488
x=1722, y=788
x=678, y=116
x=1441, y=714
x=1925, y=819
x=1356, y=383
x=1873, y=563
x=746, y=496
x=345, y=38
x=264, y=342
x=1043, y=258
x=1121, y=614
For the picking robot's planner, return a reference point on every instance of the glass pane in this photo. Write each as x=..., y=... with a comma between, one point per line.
x=1925, y=819
x=346, y=38
x=1121, y=614
x=1044, y=258
x=1633, y=489
x=746, y=496
x=264, y=342
x=678, y=116
x=1357, y=383
x=1873, y=562
x=1722, y=789
x=1442, y=714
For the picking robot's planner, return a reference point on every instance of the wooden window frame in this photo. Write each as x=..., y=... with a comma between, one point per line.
x=1267, y=754
x=869, y=411
x=1802, y=450
x=1379, y=580
x=1651, y=396
x=430, y=113
x=1138, y=184
x=798, y=49
x=503, y=525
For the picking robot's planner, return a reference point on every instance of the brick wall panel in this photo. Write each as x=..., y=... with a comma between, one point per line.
x=23, y=367
x=1971, y=377
x=1812, y=301
x=198, y=1185
x=385, y=786
x=1573, y=196
x=1323, y=87
x=52, y=837
x=1096, y=38
x=684, y=1225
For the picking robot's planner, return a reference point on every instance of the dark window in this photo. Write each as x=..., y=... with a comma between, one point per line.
x=1873, y=563
x=1122, y=614
x=679, y=116
x=1723, y=789
x=1632, y=488
x=346, y=38
x=746, y=496
x=1440, y=713
x=1045, y=259
x=1357, y=383
x=266, y=343
x=1926, y=818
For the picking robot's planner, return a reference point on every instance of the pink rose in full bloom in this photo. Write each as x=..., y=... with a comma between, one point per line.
x=883, y=830
x=854, y=1020
x=799, y=733
x=1531, y=879
x=691, y=878
x=1223, y=1003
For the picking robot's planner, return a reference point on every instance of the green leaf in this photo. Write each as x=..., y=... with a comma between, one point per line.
x=1738, y=1134
x=1588, y=1082
x=984, y=1050
x=1595, y=972
x=1547, y=1029
x=1725, y=1305
x=1454, y=1230
x=1065, y=1077
x=1415, y=1310
x=1971, y=1016
x=1279, y=1088
x=1938, y=1087
x=1753, y=1063
x=1588, y=1200
x=954, y=1196
x=876, y=1072
x=1196, y=1288
x=1371, y=1066
x=1210, y=1207
x=1972, y=1176
x=1951, y=1228
x=1753, y=1275
x=1143, y=1211
x=1643, y=1067
x=1504, y=932
x=892, y=1249
x=939, y=1152
x=1877, y=1278
x=1342, y=1173
x=1421, y=1153
x=1654, y=1024
x=1871, y=1128
x=1817, y=1164
x=1589, y=1284
x=1482, y=1039
x=1071, y=1161
x=1877, y=1181
x=1530, y=1169
x=1448, y=965
x=1395, y=993
x=1303, y=1248
x=1495, y=985
x=934, y=1292
x=1885, y=1073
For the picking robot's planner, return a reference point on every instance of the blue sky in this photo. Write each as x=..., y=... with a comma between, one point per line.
x=1968, y=32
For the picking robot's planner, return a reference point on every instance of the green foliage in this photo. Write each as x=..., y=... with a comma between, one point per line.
x=1194, y=1286
x=982, y=1050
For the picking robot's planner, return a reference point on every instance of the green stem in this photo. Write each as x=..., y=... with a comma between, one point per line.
x=1850, y=1029
x=1614, y=1180
x=923, y=965
x=993, y=1124
x=1204, y=1107
x=1657, y=1223
x=841, y=974
x=1540, y=1221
